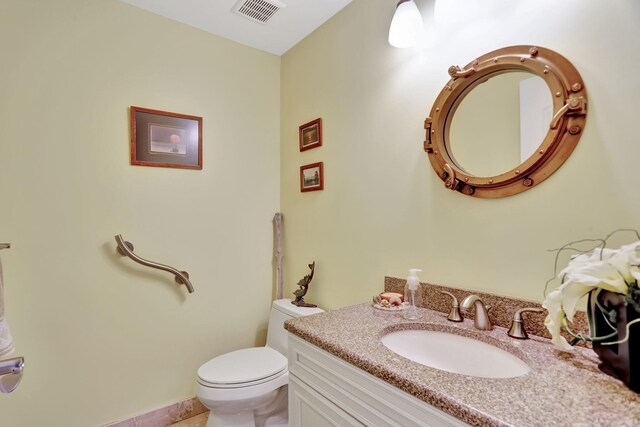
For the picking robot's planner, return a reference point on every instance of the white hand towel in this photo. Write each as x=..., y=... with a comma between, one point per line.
x=6, y=340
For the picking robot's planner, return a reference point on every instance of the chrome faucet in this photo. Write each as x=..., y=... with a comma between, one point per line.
x=481, y=317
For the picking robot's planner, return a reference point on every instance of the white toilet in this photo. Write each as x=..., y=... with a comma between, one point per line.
x=248, y=387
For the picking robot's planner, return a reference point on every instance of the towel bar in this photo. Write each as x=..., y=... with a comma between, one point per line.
x=126, y=249
x=5, y=245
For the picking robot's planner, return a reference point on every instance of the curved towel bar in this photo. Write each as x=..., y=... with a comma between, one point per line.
x=126, y=249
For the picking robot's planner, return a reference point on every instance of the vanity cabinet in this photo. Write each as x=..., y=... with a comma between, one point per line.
x=307, y=407
x=327, y=391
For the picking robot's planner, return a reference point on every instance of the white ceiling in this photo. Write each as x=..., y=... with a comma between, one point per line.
x=286, y=28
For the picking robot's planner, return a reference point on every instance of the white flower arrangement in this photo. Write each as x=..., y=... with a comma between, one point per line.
x=615, y=270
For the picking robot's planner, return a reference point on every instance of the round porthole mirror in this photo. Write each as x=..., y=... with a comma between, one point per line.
x=506, y=121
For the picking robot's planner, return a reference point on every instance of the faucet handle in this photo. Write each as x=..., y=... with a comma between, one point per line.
x=454, y=314
x=517, y=325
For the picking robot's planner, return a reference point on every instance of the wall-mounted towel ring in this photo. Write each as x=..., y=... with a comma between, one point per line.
x=126, y=249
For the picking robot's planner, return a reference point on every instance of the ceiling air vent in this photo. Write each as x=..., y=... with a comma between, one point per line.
x=258, y=10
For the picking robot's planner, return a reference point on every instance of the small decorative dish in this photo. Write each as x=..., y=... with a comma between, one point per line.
x=389, y=301
x=390, y=308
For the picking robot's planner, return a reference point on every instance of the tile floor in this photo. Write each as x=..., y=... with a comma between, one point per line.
x=197, y=421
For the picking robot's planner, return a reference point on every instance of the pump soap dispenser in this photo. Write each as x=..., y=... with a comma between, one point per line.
x=412, y=294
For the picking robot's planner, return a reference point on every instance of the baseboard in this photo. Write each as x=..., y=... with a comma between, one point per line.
x=165, y=416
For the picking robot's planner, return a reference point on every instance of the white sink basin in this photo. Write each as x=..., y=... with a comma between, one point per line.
x=454, y=353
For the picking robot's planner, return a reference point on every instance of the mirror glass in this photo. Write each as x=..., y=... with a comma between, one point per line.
x=500, y=123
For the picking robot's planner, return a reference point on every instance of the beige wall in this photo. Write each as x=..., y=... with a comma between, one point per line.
x=105, y=338
x=384, y=210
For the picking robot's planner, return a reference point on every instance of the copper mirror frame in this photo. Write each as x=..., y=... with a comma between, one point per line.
x=569, y=117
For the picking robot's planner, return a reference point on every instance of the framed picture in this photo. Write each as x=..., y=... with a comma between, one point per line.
x=169, y=140
x=310, y=135
x=312, y=177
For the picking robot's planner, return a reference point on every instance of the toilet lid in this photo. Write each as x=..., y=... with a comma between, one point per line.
x=242, y=367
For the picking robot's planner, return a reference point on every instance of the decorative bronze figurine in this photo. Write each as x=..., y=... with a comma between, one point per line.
x=304, y=287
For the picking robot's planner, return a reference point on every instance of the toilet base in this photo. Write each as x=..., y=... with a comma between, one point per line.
x=273, y=413
x=280, y=419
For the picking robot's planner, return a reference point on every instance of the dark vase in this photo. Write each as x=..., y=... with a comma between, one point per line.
x=617, y=359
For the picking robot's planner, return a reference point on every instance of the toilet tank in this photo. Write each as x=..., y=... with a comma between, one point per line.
x=281, y=311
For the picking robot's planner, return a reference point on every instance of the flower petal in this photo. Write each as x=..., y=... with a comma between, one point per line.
x=570, y=293
x=555, y=319
x=626, y=256
x=600, y=274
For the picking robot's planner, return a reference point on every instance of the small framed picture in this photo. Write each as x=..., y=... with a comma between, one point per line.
x=169, y=140
x=310, y=135
x=312, y=177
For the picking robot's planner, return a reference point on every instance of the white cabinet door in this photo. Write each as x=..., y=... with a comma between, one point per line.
x=310, y=409
x=356, y=394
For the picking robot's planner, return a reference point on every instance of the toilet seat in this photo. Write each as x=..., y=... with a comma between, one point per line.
x=242, y=368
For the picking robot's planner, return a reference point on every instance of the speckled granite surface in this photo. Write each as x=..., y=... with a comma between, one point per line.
x=501, y=313
x=562, y=389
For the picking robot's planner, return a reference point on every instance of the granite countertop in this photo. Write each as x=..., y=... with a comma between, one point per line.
x=562, y=388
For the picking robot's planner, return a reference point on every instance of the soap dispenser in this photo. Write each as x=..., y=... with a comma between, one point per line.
x=412, y=295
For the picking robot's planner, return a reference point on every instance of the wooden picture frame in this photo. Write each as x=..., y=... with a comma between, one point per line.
x=312, y=177
x=164, y=139
x=310, y=135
